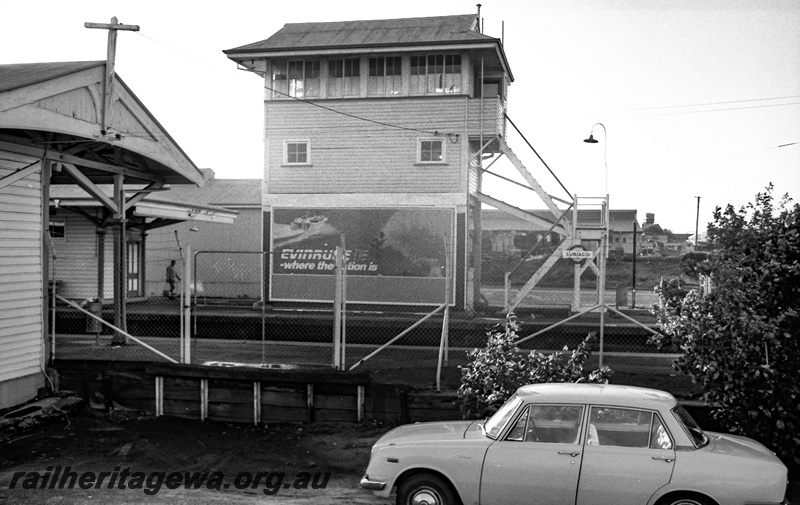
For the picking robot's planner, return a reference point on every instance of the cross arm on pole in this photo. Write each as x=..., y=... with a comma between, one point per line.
x=108, y=83
x=112, y=26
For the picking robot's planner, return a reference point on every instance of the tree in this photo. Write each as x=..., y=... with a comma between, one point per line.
x=741, y=342
x=695, y=264
x=495, y=372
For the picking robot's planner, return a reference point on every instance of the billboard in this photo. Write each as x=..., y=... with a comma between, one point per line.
x=394, y=255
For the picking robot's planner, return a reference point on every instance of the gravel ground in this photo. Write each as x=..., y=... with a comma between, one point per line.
x=292, y=464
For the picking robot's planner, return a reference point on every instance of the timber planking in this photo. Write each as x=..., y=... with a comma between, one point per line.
x=291, y=396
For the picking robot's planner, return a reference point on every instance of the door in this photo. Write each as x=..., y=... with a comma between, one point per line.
x=538, y=461
x=134, y=269
x=627, y=457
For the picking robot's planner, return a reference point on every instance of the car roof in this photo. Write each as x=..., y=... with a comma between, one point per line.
x=605, y=394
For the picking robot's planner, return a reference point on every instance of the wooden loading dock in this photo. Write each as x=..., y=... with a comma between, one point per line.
x=250, y=395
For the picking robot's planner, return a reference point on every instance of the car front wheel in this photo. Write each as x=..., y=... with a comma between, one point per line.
x=425, y=489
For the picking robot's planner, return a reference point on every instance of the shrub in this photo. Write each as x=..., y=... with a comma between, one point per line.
x=695, y=263
x=495, y=372
x=740, y=343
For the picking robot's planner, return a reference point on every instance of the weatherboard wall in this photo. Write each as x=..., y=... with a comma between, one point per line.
x=350, y=155
x=21, y=282
x=77, y=256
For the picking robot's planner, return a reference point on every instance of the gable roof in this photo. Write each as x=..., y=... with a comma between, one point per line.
x=342, y=34
x=62, y=103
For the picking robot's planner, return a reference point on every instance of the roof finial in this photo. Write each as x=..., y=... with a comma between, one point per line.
x=479, y=19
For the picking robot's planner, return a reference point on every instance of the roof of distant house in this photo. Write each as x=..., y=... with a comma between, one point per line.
x=621, y=220
x=230, y=193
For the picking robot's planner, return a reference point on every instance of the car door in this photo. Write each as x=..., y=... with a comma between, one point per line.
x=537, y=461
x=627, y=456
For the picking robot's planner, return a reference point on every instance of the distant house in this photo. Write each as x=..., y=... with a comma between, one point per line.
x=661, y=242
x=506, y=233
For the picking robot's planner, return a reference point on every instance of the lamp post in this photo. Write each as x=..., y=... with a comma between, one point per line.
x=604, y=242
x=592, y=140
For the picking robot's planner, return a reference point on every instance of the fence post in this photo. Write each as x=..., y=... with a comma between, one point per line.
x=186, y=317
x=444, y=342
x=506, y=290
x=337, y=310
x=343, y=305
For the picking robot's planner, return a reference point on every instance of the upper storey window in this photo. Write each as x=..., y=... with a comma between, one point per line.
x=430, y=151
x=295, y=78
x=436, y=73
x=344, y=77
x=296, y=152
x=385, y=76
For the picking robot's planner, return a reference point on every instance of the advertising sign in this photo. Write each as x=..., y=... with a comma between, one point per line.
x=394, y=255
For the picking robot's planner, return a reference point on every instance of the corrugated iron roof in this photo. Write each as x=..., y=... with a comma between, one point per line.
x=17, y=75
x=219, y=192
x=339, y=34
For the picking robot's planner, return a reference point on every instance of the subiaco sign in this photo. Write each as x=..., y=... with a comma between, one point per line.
x=578, y=254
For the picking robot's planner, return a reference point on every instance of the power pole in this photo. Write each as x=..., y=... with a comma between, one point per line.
x=120, y=232
x=111, y=54
x=697, y=223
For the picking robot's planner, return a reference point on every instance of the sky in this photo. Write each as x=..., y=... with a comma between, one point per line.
x=697, y=101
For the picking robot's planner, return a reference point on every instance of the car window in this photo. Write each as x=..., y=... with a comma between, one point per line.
x=551, y=424
x=494, y=425
x=659, y=438
x=690, y=425
x=619, y=427
x=517, y=433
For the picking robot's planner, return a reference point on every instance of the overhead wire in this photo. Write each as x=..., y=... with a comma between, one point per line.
x=707, y=104
x=538, y=156
x=312, y=103
x=632, y=113
x=724, y=109
x=360, y=118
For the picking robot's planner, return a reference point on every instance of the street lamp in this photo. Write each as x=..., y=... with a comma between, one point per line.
x=592, y=140
x=604, y=243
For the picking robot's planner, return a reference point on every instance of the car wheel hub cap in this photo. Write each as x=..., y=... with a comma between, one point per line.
x=425, y=497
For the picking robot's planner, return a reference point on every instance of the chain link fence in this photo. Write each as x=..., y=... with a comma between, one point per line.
x=230, y=325
x=81, y=294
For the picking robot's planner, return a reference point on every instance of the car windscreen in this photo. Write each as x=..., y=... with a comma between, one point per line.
x=691, y=427
x=494, y=425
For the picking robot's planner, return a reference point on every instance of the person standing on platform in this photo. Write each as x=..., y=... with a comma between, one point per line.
x=172, y=277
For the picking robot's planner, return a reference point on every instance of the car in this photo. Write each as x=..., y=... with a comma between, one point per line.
x=576, y=444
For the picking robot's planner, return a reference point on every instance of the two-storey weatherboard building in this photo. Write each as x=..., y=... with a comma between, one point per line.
x=372, y=134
